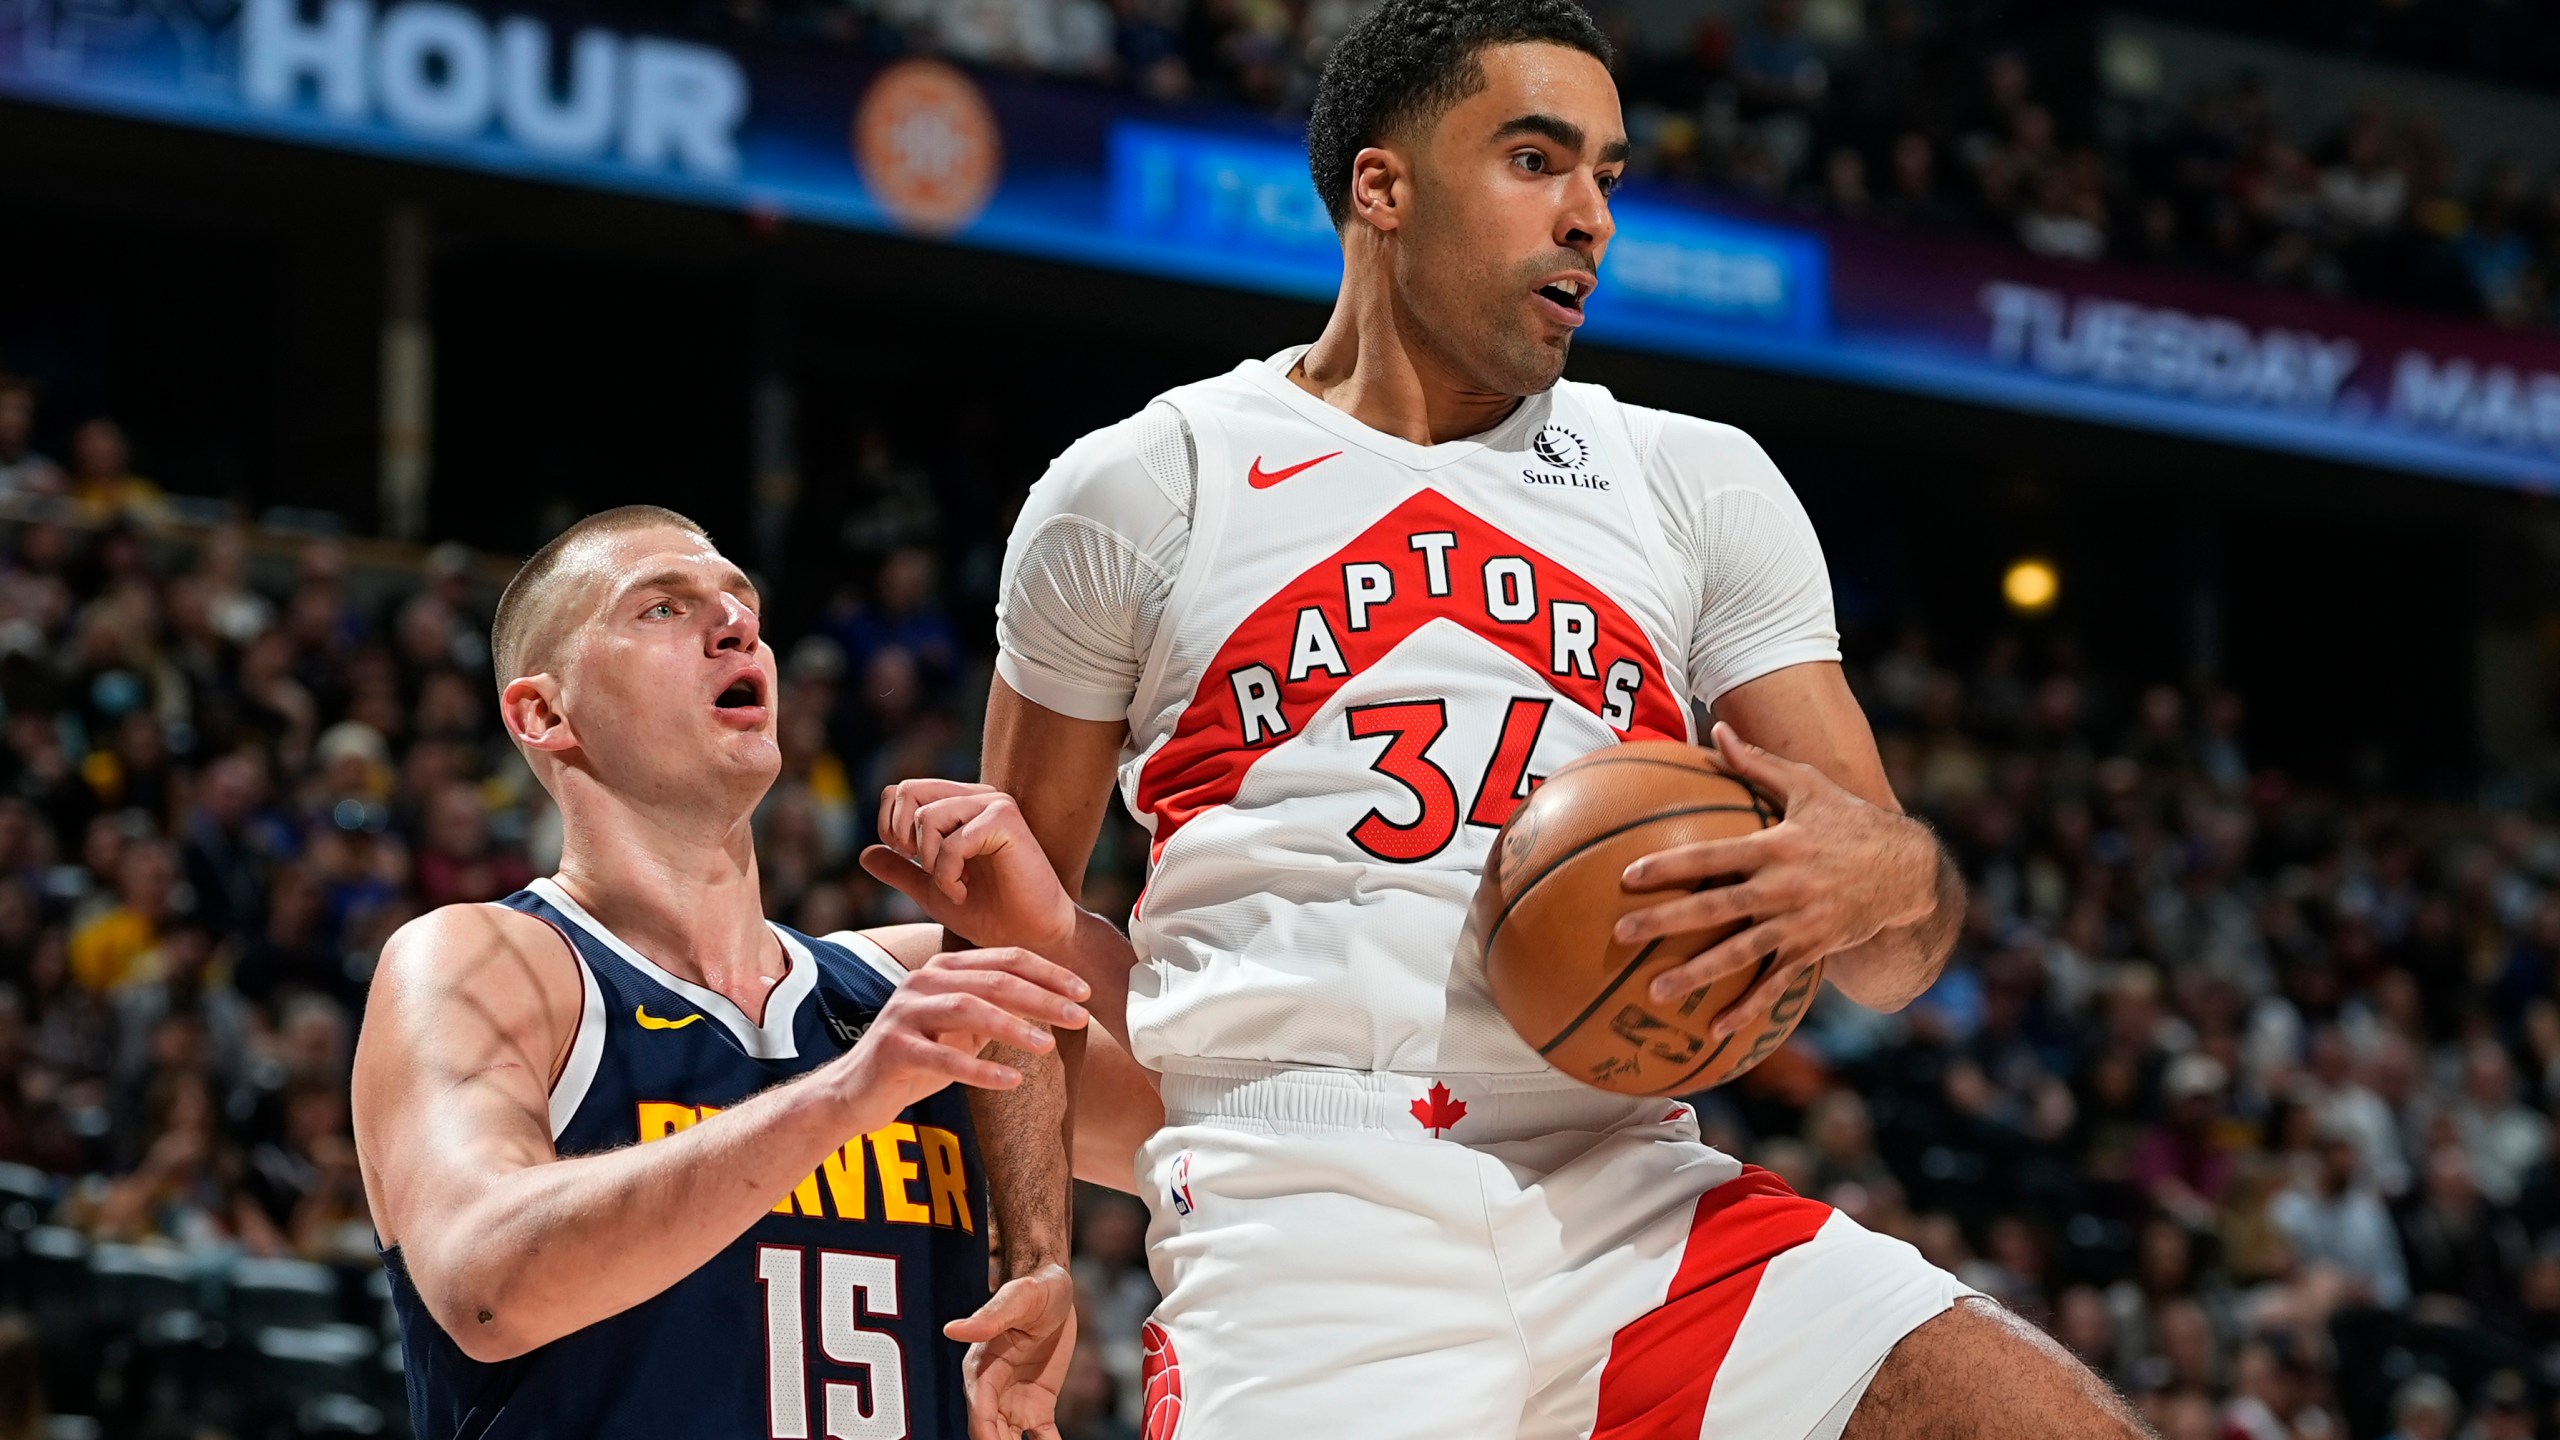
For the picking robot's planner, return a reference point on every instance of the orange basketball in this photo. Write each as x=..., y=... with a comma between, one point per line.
x=1551, y=895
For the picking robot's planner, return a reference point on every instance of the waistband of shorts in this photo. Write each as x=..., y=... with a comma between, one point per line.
x=1292, y=1100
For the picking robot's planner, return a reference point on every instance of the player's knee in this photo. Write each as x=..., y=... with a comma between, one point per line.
x=1978, y=1371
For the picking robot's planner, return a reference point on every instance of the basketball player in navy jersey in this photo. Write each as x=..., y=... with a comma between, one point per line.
x=642, y=1162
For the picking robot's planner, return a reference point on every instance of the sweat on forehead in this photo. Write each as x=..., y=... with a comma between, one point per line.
x=531, y=614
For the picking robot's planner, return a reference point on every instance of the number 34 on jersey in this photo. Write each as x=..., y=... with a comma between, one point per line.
x=1408, y=611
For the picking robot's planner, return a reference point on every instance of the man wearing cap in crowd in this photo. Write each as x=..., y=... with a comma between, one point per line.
x=2424, y=1409
x=2185, y=1163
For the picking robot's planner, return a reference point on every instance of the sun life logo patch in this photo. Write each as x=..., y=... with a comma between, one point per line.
x=1565, y=460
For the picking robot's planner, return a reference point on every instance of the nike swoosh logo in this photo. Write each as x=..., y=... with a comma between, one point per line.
x=1261, y=479
x=652, y=1022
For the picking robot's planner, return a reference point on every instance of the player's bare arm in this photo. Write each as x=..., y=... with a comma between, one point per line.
x=1846, y=877
x=1022, y=1340
x=470, y=1018
x=966, y=855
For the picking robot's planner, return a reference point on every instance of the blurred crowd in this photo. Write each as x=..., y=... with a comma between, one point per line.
x=2486, y=39
x=1908, y=122
x=1936, y=115
x=2243, y=1090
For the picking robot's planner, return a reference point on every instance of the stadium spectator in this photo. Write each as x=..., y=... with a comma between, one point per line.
x=2464, y=1255
x=2425, y=1408
x=22, y=470
x=2183, y=1162
x=189, y=1189
x=2332, y=1217
x=119, y=943
x=456, y=862
x=103, y=484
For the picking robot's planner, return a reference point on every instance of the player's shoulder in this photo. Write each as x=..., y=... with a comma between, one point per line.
x=1687, y=453
x=469, y=947
x=1137, y=475
x=452, y=932
x=1124, y=442
x=510, y=966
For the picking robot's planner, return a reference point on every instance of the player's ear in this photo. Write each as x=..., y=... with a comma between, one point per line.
x=530, y=709
x=1379, y=190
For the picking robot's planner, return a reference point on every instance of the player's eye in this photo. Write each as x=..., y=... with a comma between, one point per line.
x=1609, y=184
x=663, y=610
x=1533, y=161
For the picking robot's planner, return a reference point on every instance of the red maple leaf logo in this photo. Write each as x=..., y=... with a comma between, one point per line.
x=1439, y=1112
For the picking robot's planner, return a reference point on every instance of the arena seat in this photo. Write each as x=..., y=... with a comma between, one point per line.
x=300, y=1364
x=140, y=1285
x=267, y=1294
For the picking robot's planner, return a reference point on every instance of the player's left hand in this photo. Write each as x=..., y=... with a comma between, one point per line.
x=1831, y=876
x=965, y=854
x=1020, y=1342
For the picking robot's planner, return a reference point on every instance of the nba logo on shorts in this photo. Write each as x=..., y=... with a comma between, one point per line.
x=1181, y=1188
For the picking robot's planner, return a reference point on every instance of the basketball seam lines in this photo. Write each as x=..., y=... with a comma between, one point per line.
x=1722, y=1045
x=1611, y=834
x=1760, y=808
x=1616, y=982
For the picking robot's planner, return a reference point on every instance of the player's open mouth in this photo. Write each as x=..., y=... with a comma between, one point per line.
x=744, y=693
x=1566, y=294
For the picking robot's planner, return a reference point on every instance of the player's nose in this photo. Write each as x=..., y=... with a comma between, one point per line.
x=1585, y=223
x=739, y=626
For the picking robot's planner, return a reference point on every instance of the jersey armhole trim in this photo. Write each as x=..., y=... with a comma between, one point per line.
x=1642, y=428
x=1209, y=505
x=586, y=1048
x=586, y=1051
x=870, y=952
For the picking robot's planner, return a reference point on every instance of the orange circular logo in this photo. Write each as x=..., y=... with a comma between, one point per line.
x=927, y=145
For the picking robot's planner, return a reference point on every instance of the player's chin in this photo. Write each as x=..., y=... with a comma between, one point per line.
x=1537, y=364
x=748, y=751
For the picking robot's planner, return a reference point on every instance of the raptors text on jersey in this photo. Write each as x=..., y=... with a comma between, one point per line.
x=1361, y=673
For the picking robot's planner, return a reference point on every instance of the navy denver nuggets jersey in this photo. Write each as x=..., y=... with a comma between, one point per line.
x=825, y=1318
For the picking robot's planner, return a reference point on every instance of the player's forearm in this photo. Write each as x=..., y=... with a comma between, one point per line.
x=1022, y=1146
x=1117, y=1104
x=551, y=1248
x=1902, y=962
x=1102, y=957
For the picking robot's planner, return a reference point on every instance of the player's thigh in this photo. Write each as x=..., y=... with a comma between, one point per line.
x=1324, y=1288
x=1979, y=1372
x=1762, y=1319
x=1824, y=1315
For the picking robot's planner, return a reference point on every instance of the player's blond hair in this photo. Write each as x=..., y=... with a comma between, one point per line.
x=523, y=635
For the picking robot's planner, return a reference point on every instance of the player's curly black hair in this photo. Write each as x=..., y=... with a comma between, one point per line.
x=1408, y=60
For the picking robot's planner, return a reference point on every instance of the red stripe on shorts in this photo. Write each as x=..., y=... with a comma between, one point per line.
x=1662, y=1366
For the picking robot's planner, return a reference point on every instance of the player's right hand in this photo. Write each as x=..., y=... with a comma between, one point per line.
x=946, y=1011
x=966, y=855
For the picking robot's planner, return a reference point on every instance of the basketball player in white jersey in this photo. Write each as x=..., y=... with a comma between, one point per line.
x=1327, y=616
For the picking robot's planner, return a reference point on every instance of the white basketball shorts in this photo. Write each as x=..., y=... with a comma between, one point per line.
x=1350, y=1256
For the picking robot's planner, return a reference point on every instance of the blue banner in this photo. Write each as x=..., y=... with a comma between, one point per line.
x=1075, y=173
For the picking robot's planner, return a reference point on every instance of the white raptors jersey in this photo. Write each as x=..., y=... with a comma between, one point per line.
x=1367, y=653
